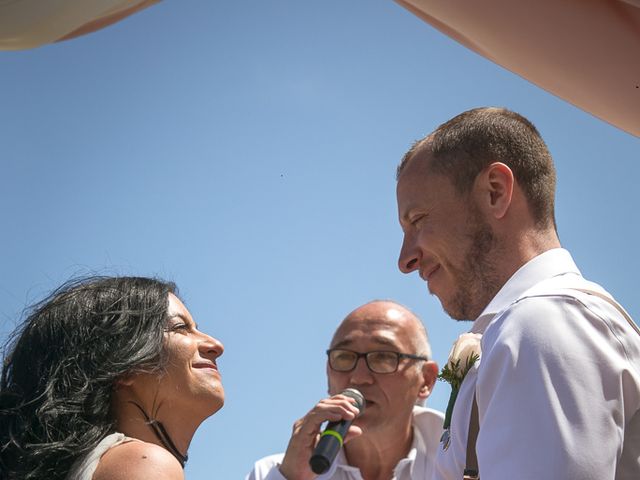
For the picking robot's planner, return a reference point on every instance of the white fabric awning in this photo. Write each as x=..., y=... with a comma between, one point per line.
x=31, y=23
x=586, y=52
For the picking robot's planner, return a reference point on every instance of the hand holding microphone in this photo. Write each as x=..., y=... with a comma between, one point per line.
x=332, y=438
x=339, y=410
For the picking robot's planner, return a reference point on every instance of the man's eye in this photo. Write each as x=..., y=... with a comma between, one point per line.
x=416, y=220
x=344, y=357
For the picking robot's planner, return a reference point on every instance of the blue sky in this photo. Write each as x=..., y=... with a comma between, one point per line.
x=247, y=151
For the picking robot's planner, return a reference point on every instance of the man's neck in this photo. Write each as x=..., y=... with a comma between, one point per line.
x=375, y=456
x=515, y=251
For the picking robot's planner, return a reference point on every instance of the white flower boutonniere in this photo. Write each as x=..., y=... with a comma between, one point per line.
x=464, y=354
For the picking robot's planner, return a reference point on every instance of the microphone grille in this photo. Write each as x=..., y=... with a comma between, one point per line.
x=357, y=396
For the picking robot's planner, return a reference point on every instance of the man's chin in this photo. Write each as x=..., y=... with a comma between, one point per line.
x=449, y=306
x=363, y=423
x=369, y=416
x=457, y=316
x=456, y=310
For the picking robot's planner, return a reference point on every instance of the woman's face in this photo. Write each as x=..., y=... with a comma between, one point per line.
x=190, y=382
x=191, y=357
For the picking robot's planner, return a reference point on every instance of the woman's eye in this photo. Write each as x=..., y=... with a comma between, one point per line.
x=177, y=327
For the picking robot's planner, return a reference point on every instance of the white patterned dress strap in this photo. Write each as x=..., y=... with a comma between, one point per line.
x=85, y=467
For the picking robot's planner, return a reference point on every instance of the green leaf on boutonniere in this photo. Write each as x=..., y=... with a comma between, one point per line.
x=454, y=374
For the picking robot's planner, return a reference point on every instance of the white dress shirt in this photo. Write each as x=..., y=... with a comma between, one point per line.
x=417, y=465
x=557, y=386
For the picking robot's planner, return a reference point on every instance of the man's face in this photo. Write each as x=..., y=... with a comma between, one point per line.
x=446, y=240
x=390, y=397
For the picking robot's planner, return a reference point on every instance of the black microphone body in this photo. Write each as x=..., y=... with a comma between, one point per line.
x=332, y=438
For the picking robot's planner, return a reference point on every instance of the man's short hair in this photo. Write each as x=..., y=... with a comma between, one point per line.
x=462, y=147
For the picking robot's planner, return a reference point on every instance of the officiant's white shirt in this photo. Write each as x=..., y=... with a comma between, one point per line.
x=558, y=384
x=418, y=464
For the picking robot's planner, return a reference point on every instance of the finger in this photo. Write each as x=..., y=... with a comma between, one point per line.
x=334, y=409
x=347, y=402
x=353, y=432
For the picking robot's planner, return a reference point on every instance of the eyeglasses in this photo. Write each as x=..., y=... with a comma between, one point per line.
x=342, y=360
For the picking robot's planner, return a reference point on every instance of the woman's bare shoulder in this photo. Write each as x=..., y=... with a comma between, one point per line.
x=138, y=460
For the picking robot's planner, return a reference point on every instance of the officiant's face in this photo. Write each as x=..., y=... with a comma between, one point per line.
x=390, y=397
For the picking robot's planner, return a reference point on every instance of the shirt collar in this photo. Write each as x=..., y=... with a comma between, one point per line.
x=417, y=445
x=551, y=263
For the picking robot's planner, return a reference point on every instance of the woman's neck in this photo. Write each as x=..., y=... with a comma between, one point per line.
x=172, y=432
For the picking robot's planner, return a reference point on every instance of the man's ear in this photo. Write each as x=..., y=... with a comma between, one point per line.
x=494, y=187
x=429, y=376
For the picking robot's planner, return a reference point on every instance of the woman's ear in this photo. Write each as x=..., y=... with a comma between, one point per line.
x=125, y=380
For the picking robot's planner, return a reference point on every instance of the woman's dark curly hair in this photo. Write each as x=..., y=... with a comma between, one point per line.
x=62, y=364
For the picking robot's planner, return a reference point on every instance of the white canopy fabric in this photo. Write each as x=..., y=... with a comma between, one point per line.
x=586, y=52
x=32, y=23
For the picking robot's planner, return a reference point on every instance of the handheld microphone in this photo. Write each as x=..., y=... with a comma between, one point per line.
x=332, y=438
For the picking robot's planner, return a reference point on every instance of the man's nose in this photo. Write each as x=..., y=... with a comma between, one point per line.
x=361, y=374
x=409, y=259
